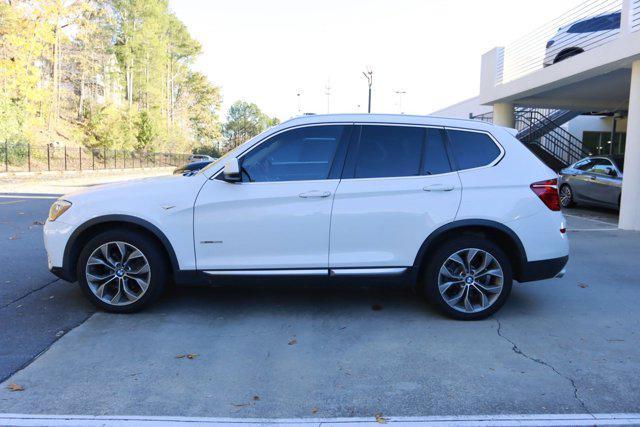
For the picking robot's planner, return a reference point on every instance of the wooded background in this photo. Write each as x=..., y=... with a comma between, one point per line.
x=114, y=74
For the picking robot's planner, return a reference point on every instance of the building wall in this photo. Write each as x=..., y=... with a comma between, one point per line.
x=462, y=109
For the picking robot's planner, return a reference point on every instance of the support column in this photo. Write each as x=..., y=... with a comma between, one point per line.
x=504, y=115
x=630, y=203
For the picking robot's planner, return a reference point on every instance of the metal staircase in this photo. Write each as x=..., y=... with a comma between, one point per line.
x=540, y=130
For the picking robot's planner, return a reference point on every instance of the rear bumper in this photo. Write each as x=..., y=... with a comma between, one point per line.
x=543, y=269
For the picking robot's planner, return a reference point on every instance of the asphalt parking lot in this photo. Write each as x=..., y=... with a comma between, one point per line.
x=570, y=345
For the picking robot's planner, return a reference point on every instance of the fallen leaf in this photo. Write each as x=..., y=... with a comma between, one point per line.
x=256, y=397
x=38, y=222
x=380, y=419
x=59, y=334
x=293, y=340
x=583, y=285
x=188, y=356
x=376, y=307
x=15, y=387
x=13, y=237
x=314, y=410
x=240, y=405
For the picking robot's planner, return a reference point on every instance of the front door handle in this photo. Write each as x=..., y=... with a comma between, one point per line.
x=315, y=193
x=438, y=187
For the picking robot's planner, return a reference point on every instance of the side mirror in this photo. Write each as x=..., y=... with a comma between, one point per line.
x=231, y=171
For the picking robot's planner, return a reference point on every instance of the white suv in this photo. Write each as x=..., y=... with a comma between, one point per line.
x=582, y=35
x=457, y=208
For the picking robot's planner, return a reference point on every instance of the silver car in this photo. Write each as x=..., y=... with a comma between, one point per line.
x=595, y=180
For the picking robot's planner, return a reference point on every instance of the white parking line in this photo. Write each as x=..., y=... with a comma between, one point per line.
x=592, y=229
x=590, y=219
x=467, y=420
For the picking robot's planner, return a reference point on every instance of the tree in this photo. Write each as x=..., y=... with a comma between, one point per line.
x=244, y=121
x=108, y=73
x=145, y=131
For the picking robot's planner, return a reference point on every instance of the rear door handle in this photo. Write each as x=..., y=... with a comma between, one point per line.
x=438, y=187
x=315, y=193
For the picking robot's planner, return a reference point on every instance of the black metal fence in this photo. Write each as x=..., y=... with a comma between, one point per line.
x=37, y=158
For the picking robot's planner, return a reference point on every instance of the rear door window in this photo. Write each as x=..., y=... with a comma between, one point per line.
x=396, y=151
x=388, y=151
x=472, y=149
x=434, y=157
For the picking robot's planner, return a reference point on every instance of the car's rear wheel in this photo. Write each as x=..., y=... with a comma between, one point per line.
x=566, y=196
x=122, y=271
x=468, y=278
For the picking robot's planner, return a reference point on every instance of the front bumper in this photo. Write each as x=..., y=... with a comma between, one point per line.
x=61, y=273
x=543, y=269
x=56, y=234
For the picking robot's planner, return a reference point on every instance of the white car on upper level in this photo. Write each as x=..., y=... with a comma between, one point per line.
x=458, y=208
x=582, y=35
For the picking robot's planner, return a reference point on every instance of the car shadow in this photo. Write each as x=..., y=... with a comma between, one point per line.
x=327, y=300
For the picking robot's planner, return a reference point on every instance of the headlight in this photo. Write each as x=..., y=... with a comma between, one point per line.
x=58, y=208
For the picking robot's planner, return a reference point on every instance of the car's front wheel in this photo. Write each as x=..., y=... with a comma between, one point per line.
x=468, y=278
x=122, y=271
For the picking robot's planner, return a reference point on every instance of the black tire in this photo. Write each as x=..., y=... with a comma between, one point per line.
x=566, y=202
x=154, y=254
x=438, y=258
x=567, y=54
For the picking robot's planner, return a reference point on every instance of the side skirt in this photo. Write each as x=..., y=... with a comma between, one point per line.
x=400, y=276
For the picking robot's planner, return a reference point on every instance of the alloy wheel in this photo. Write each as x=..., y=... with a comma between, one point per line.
x=470, y=280
x=118, y=273
x=565, y=196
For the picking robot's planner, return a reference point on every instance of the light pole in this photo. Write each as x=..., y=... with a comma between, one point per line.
x=400, y=93
x=299, y=96
x=369, y=76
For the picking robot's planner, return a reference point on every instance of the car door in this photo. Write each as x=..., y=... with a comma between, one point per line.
x=579, y=178
x=607, y=183
x=278, y=216
x=397, y=187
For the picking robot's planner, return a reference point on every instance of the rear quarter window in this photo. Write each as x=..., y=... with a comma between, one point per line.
x=472, y=149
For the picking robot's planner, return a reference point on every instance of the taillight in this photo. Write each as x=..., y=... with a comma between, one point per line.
x=548, y=193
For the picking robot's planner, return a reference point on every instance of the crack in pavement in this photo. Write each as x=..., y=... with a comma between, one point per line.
x=28, y=293
x=517, y=350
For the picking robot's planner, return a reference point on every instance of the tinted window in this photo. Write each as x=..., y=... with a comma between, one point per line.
x=584, y=165
x=386, y=151
x=299, y=154
x=600, y=166
x=472, y=149
x=434, y=157
x=600, y=23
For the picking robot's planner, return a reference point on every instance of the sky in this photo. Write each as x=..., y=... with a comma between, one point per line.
x=269, y=51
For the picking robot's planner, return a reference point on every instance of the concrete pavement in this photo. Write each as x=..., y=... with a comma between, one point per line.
x=563, y=346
